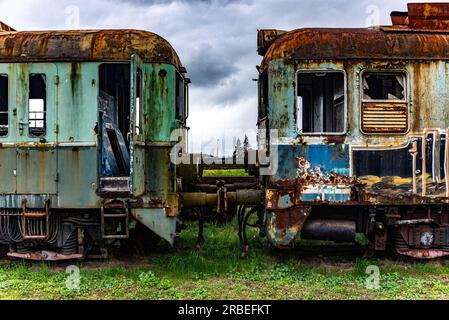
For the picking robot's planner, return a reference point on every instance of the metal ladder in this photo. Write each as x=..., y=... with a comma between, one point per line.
x=121, y=217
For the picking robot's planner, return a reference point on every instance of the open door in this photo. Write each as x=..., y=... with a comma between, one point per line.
x=137, y=127
x=115, y=127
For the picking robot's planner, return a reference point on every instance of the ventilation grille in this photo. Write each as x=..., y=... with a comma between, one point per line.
x=384, y=118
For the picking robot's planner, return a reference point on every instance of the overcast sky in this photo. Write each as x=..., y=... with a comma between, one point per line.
x=216, y=40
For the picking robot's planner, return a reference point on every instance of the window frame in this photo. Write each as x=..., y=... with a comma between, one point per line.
x=8, y=105
x=185, y=90
x=407, y=95
x=264, y=89
x=139, y=112
x=45, y=129
x=345, y=89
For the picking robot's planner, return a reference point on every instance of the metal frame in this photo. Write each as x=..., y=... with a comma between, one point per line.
x=407, y=95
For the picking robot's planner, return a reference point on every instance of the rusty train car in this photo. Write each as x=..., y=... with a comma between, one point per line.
x=85, y=136
x=363, y=132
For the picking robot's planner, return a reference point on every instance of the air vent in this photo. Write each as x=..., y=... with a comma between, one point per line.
x=384, y=118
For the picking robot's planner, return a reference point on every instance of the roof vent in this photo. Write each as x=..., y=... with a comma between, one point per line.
x=423, y=16
x=399, y=18
x=428, y=15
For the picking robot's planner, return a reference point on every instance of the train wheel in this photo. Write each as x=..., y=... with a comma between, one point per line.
x=141, y=240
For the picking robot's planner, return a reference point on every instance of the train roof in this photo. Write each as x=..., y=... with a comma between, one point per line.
x=85, y=45
x=422, y=33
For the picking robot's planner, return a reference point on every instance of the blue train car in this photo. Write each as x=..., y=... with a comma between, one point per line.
x=362, y=118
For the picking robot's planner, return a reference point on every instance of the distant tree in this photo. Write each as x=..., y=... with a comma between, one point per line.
x=246, y=144
x=239, y=152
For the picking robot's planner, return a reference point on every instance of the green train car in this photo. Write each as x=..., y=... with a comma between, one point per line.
x=85, y=137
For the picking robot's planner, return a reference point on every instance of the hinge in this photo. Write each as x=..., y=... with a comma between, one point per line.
x=57, y=81
x=57, y=177
x=56, y=128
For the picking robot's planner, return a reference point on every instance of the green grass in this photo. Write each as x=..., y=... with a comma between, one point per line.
x=225, y=173
x=218, y=272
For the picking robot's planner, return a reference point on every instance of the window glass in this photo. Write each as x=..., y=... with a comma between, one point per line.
x=37, y=105
x=263, y=95
x=377, y=86
x=321, y=102
x=139, y=112
x=3, y=105
x=180, y=98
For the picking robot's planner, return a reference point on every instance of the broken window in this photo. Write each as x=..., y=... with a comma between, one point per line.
x=384, y=86
x=263, y=95
x=181, y=96
x=384, y=105
x=3, y=105
x=321, y=102
x=37, y=105
x=139, y=113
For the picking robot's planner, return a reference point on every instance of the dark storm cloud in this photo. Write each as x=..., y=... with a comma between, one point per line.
x=209, y=65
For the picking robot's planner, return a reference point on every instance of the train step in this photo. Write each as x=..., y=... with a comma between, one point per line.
x=119, y=217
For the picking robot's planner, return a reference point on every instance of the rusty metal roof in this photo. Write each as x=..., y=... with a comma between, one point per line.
x=368, y=43
x=85, y=45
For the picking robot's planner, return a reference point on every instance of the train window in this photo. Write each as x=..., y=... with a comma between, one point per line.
x=181, y=113
x=384, y=105
x=321, y=102
x=3, y=105
x=139, y=113
x=378, y=86
x=37, y=105
x=263, y=95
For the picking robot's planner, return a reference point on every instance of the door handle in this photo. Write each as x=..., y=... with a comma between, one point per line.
x=22, y=125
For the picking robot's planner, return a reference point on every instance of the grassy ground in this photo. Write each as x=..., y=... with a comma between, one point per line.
x=217, y=272
x=225, y=173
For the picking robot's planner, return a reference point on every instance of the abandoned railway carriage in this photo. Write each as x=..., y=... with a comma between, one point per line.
x=85, y=125
x=363, y=118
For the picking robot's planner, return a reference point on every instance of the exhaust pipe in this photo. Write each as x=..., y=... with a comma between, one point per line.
x=340, y=231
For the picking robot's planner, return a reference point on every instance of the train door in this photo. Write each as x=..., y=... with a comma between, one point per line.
x=36, y=135
x=322, y=123
x=7, y=130
x=114, y=128
x=137, y=134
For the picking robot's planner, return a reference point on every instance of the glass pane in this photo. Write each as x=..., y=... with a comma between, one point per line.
x=37, y=104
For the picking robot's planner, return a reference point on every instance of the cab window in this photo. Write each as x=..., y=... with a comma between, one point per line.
x=321, y=102
x=384, y=103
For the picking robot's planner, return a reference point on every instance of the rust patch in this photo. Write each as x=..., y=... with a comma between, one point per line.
x=86, y=45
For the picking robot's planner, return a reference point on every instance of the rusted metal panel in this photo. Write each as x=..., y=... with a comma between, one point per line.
x=346, y=44
x=284, y=226
x=432, y=16
x=87, y=45
x=265, y=38
x=45, y=256
x=384, y=117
